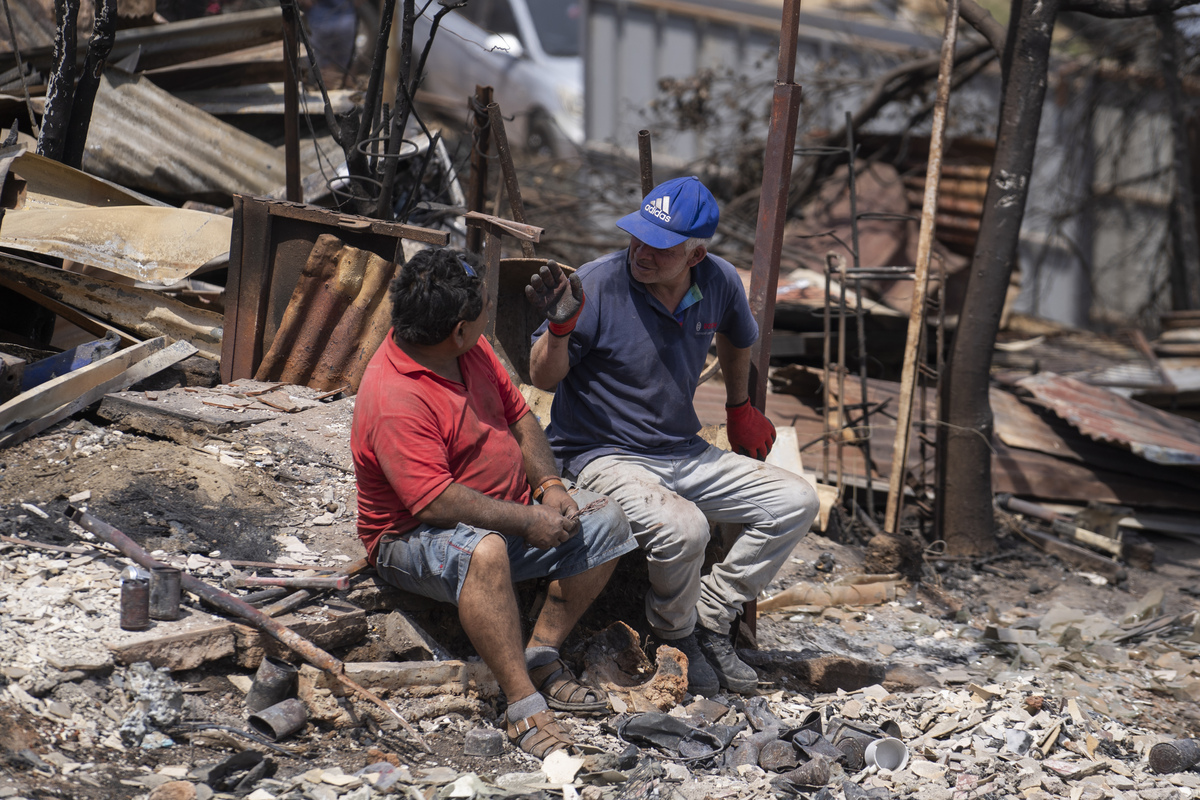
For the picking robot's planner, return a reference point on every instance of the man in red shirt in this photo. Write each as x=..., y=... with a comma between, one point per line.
x=458, y=495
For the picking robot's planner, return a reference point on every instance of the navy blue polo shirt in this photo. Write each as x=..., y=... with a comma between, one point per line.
x=634, y=363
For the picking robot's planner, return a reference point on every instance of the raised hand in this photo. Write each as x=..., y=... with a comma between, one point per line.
x=556, y=296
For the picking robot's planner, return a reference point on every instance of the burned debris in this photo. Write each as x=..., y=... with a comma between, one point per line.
x=193, y=285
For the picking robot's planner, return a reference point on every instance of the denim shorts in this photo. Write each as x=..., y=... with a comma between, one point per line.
x=433, y=562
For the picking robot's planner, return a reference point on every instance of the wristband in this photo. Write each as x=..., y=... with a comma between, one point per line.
x=565, y=327
x=546, y=484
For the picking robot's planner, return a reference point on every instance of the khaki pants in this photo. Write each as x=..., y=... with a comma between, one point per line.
x=670, y=503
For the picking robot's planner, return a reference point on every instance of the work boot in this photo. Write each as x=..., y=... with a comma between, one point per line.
x=702, y=679
x=732, y=673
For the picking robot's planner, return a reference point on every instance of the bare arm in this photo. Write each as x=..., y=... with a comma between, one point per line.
x=549, y=362
x=542, y=526
x=539, y=464
x=735, y=368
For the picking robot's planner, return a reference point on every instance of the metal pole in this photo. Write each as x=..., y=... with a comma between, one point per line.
x=916, y=317
x=480, y=144
x=645, y=164
x=861, y=324
x=500, y=137
x=773, y=201
x=291, y=106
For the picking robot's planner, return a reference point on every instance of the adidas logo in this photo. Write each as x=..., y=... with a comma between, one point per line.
x=660, y=208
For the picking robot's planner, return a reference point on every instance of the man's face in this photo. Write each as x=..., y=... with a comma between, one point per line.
x=473, y=329
x=670, y=266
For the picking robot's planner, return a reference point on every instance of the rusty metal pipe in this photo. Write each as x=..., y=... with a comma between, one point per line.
x=239, y=608
x=645, y=164
x=341, y=583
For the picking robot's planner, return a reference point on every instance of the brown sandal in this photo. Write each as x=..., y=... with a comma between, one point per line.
x=548, y=735
x=564, y=692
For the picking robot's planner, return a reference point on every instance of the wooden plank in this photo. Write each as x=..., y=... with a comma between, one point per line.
x=45, y=398
x=150, y=365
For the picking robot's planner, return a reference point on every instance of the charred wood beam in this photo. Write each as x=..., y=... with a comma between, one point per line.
x=104, y=33
x=60, y=89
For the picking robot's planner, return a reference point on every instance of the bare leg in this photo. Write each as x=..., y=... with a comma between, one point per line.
x=566, y=600
x=487, y=608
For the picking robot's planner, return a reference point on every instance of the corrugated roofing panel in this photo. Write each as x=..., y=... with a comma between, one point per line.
x=145, y=138
x=1155, y=435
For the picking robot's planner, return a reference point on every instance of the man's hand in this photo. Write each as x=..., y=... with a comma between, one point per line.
x=547, y=527
x=750, y=433
x=559, y=298
x=560, y=499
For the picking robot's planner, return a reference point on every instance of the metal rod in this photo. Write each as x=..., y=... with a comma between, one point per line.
x=645, y=164
x=480, y=144
x=500, y=137
x=239, y=608
x=341, y=583
x=916, y=319
x=841, y=377
x=830, y=260
x=291, y=106
x=861, y=324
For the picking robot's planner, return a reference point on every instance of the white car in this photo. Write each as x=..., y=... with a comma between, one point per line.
x=527, y=50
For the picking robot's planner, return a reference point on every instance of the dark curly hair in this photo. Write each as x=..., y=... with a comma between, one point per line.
x=432, y=293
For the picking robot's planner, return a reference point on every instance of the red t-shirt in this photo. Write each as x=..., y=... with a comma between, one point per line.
x=416, y=432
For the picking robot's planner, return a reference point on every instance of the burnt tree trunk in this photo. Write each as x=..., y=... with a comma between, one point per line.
x=1185, y=263
x=965, y=490
x=60, y=89
x=104, y=32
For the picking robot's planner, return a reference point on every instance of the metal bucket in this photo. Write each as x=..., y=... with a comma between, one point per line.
x=274, y=681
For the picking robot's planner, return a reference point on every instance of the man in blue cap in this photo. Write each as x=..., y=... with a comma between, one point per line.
x=623, y=346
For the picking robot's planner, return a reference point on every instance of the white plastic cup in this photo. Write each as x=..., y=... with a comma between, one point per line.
x=890, y=754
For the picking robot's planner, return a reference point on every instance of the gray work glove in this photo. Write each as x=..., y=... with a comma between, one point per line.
x=548, y=291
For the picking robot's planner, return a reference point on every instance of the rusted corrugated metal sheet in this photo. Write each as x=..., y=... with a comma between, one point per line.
x=1119, y=360
x=1157, y=436
x=147, y=139
x=335, y=320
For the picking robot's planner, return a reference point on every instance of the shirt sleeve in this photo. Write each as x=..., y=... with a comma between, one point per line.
x=737, y=321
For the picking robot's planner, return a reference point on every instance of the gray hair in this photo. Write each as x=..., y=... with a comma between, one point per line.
x=694, y=242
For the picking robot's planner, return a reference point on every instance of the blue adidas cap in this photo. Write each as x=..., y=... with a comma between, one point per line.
x=672, y=213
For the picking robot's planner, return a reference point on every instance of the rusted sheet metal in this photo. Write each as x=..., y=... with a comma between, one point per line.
x=152, y=245
x=1122, y=479
x=1118, y=360
x=328, y=316
x=142, y=136
x=49, y=184
x=335, y=321
x=1155, y=435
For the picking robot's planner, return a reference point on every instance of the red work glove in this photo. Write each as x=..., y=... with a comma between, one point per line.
x=750, y=433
